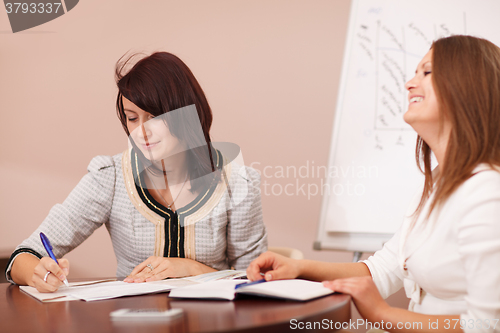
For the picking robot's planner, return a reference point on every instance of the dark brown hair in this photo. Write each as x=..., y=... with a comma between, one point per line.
x=160, y=83
x=466, y=80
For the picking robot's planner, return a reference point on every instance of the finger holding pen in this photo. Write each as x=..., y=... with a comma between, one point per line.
x=48, y=276
x=48, y=248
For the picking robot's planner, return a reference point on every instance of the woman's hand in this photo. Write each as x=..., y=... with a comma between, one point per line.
x=159, y=268
x=364, y=293
x=275, y=267
x=54, y=279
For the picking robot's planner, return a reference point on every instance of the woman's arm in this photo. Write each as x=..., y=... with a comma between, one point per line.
x=383, y=263
x=29, y=270
x=23, y=268
x=68, y=224
x=246, y=236
x=278, y=267
x=321, y=271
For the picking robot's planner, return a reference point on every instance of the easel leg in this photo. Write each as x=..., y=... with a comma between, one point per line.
x=356, y=256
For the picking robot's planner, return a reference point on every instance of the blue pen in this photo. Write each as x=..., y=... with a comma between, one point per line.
x=48, y=248
x=244, y=284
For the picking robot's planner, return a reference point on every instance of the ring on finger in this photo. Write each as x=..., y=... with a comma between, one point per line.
x=150, y=267
x=45, y=277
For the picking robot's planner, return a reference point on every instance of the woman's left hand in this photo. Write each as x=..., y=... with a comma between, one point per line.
x=364, y=293
x=159, y=268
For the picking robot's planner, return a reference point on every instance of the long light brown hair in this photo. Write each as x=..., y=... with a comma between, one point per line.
x=466, y=80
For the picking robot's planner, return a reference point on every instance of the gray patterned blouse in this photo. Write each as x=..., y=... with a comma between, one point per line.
x=221, y=228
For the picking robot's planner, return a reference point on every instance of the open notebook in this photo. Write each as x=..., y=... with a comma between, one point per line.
x=299, y=290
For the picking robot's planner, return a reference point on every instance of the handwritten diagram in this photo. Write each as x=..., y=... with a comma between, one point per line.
x=391, y=50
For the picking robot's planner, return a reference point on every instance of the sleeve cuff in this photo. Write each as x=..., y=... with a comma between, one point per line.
x=14, y=256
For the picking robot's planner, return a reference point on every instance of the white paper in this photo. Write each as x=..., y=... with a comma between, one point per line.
x=104, y=289
x=221, y=289
x=61, y=294
x=117, y=289
x=219, y=275
x=296, y=289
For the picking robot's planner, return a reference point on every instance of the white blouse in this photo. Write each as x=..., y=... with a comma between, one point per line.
x=449, y=263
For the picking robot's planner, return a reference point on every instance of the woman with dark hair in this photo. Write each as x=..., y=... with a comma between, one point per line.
x=447, y=251
x=174, y=205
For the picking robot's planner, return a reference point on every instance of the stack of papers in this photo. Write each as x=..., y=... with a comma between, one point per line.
x=106, y=289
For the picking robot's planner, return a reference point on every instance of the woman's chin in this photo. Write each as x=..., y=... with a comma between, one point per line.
x=151, y=155
x=409, y=118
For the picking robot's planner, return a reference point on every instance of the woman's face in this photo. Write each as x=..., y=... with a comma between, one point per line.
x=423, y=110
x=150, y=134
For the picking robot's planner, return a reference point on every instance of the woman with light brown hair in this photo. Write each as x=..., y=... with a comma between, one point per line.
x=447, y=252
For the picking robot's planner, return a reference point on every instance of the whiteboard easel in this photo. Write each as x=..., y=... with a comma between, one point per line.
x=372, y=173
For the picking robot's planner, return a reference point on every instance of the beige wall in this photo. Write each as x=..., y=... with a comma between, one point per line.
x=270, y=70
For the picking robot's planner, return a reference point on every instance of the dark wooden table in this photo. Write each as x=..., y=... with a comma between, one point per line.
x=21, y=313
x=4, y=258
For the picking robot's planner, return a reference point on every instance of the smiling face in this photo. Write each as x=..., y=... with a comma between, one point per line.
x=423, y=110
x=150, y=134
x=424, y=114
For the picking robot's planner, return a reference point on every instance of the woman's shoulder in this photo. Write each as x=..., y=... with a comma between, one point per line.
x=476, y=204
x=484, y=183
x=101, y=163
x=243, y=173
x=485, y=175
